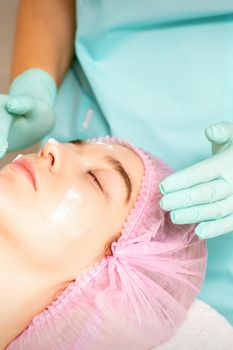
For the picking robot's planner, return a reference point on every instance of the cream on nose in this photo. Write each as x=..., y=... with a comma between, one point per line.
x=51, y=150
x=18, y=156
x=52, y=141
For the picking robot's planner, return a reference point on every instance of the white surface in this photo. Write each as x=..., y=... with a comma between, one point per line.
x=204, y=329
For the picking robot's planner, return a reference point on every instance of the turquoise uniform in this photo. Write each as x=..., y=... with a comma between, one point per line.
x=156, y=73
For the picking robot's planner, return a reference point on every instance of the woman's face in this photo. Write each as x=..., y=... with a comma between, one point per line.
x=82, y=196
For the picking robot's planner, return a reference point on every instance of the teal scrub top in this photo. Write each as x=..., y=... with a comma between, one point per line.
x=156, y=72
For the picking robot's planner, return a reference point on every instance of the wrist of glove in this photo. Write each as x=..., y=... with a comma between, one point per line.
x=203, y=192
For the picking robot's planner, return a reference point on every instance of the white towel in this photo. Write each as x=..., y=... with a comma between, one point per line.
x=203, y=329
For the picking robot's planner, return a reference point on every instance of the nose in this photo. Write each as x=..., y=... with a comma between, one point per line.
x=52, y=153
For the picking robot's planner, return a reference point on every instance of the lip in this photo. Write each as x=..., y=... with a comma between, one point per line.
x=23, y=165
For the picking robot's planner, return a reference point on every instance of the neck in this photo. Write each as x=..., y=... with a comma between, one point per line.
x=23, y=295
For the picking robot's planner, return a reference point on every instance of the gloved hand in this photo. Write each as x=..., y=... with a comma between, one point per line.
x=203, y=192
x=26, y=114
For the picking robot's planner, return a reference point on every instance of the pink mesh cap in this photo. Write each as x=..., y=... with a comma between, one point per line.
x=137, y=297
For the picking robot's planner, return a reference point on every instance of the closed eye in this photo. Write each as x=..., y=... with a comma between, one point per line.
x=95, y=180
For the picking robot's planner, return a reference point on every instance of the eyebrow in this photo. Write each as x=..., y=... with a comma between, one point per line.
x=117, y=166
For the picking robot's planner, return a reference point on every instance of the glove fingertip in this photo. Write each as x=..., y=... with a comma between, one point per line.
x=172, y=183
x=11, y=104
x=162, y=188
x=199, y=232
x=20, y=105
x=214, y=134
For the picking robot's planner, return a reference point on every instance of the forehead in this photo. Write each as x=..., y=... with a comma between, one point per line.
x=121, y=152
x=124, y=154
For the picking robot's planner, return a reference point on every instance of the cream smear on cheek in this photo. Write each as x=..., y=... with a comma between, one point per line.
x=64, y=217
x=71, y=200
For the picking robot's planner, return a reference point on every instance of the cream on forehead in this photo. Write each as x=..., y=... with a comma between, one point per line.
x=106, y=145
x=112, y=146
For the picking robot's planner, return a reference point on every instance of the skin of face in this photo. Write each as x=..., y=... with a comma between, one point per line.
x=62, y=226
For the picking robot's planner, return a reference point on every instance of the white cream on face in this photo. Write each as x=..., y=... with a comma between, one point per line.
x=64, y=213
x=18, y=156
x=110, y=147
x=51, y=140
x=105, y=145
x=71, y=199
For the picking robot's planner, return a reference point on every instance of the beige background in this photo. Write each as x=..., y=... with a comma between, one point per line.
x=8, y=11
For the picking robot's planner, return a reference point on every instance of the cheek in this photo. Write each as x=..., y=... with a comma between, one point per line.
x=44, y=226
x=73, y=213
x=64, y=209
x=64, y=219
x=15, y=205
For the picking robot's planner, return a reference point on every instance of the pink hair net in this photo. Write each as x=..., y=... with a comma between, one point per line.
x=137, y=297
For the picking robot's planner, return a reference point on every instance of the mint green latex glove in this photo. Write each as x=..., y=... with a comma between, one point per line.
x=203, y=192
x=26, y=114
